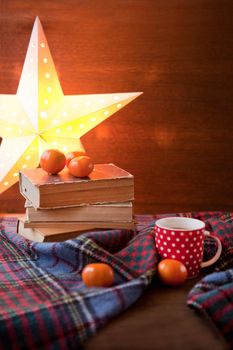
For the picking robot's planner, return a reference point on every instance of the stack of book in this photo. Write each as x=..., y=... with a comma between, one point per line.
x=59, y=207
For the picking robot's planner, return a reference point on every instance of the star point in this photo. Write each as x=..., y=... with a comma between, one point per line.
x=40, y=116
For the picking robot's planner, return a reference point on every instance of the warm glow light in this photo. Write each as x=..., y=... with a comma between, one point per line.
x=40, y=117
x=43, y=114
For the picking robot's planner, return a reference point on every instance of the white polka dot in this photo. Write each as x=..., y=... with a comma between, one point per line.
x=161, y=248
x=190, y=268
x=158, y=240
x=164, y=231
x=165, y=255
x=187, y=251
x=178, y=251
x=173, y=256
x=168, y=238
x=190, y=233
x=191, y=256
x=173, y=233
x=182, y=245
x=194, y=238
x=196, y=266
x=182, y=233
x=164, y=243
x=158, y=229
x=198, y=232
x=195, y=261
x=191, y=244
x=177, y=239
x=194, y=250
x=193, y=273
x=173, y=245
x=161, y=236
x=169, y=250
x=187, y=263
x=186, y=239
x=198, y=243
x=198, y=255
x=183, y=257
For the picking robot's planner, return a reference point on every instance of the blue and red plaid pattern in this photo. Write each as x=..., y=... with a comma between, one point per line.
x=214, y=293
x=44, y=304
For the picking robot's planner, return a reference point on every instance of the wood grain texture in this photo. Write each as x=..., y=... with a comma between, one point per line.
x=159, y=320
x=177, y=137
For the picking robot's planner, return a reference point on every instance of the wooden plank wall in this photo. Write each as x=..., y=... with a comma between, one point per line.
x=177, y=137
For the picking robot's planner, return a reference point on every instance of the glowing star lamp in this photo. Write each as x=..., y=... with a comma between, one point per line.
x=40, y=117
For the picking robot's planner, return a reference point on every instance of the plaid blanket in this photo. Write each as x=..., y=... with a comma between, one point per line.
x=44, y=304
x=213, y=295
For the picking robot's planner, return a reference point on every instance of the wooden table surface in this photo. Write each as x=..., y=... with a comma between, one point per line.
x=159, y=320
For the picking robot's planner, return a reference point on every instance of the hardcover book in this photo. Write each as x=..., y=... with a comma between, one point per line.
x=106, y=184
x=62, y=231
x=122, y=211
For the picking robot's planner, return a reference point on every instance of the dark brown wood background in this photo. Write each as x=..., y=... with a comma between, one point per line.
x=177, y=137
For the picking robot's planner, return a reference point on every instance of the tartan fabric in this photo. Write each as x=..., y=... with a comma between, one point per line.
x=214, y=293
x=44, y=304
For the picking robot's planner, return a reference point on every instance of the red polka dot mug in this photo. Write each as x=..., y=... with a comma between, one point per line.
x=182, y=239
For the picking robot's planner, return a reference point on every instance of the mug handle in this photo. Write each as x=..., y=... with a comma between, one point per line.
x=218, y=253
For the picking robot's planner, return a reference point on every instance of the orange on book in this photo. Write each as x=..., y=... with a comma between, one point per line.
x=107, y=183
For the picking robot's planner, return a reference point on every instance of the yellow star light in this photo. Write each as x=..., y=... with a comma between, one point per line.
x=40, y=117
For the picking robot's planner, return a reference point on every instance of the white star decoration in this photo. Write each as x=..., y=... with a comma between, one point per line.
x=40, y=117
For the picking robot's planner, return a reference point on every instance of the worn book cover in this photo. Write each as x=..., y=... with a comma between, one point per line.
x=107, y=183
x=120, y=211
x=62, y=231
